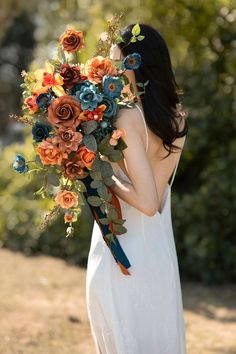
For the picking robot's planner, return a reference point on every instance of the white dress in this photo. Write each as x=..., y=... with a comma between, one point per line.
x=141, y=313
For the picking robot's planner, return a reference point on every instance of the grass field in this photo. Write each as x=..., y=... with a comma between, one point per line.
x=43, y=310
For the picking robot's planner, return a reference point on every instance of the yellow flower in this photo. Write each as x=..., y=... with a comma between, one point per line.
x=47, y=78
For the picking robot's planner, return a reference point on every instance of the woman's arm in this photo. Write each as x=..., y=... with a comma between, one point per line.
x=142, y=193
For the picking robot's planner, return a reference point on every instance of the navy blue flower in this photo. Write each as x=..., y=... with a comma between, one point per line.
x=111, y=105
x=40, y=131
x=88, y=96
x=112, y=86
x=132, y=61
x=20, y=165
x=43, y=100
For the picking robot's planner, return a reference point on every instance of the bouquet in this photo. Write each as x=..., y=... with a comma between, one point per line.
x=72, y=107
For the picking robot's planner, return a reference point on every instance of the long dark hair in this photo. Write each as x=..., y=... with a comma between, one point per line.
x=161, y=101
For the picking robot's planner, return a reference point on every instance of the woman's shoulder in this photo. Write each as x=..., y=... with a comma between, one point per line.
x=127, y=117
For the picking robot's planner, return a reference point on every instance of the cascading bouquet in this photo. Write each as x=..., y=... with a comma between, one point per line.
x=72, y=108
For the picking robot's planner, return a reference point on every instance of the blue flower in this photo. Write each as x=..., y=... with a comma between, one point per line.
x=112, y=86
x=43, y=100
x=40, y=131
x=111, y=105
x=88, y=96
x=20, y=165
x=132, y=61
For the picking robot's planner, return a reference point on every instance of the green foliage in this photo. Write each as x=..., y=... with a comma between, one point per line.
x=21, y=214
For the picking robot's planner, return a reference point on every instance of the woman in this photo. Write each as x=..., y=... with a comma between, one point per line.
x=142, y=313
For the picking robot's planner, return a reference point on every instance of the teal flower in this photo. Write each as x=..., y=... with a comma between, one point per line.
x=132, y=61
x=40, y=131
x=112, y=86
x=89, y=96
x=20, y=165
x=112, y=107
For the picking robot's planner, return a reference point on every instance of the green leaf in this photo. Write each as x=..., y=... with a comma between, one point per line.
x=94, y=201
x=89, y=126
x=136, y=30
x=140, y=38
x=102, y=191
x=106, y=169
x=109, y=181
x=121, y=144
x=139, y=84
x=95, y=184
x=131, y=87
x=96, y=175
x=146, y=83
x=90, y=142
x=103, y=207
x=105, y=221
x=61, y=54
x=111, y=238
x=133, y=40
x=80, y=186
x=53, y=179
x=115, y=156
x=119, y=228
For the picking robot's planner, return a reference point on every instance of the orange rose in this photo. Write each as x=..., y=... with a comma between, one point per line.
x=87, y=156
x=116, y=135
x=68, y=218
x=98, y=67
x=64, y=111
x=72, y=40
x=67, y=199
x=50, y=154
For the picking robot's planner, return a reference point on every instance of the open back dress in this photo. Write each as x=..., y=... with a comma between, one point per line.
x=141, y=313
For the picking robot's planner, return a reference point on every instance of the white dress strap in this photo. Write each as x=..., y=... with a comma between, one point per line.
x=176, y=166
x=145, y=125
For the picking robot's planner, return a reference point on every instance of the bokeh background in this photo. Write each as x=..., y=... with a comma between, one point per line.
x=201, y=36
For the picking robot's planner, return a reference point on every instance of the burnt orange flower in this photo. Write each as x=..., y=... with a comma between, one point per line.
x=67, y=139
x=98, y=67
x=87, y=156
x=64, y=111
x=71, y=75
x=67, y=199
x=49, y=153
x=116, y=135
x=68, y=218
x=31, y=103
x=72, y=40
x=73, y=168
x=97, y=114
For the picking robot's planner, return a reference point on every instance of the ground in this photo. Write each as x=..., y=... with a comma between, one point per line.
x=43, y=310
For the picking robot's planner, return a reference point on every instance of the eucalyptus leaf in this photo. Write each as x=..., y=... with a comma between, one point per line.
x=115, y=156
x=90, y=142
x=111, y=238
x=109, y=181
x=94, y=201
x=106, y=169
x=80, y=186
x=105, y=221
x=103, y=192
x=96, y=175
x=89, y=126
x=95, y=184
x=53, y=179
x=119, y=228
